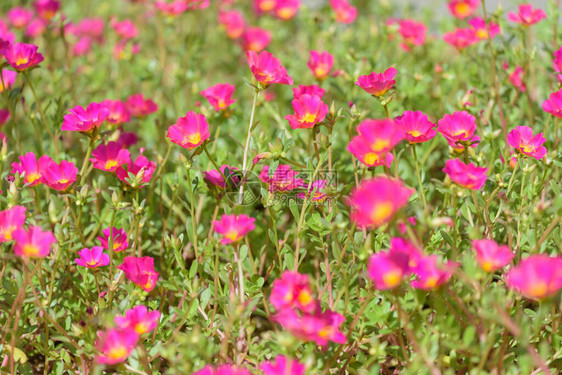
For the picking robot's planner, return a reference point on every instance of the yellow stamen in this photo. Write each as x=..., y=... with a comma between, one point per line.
x=110, y=164
x=31, y=250
x=117, y=352
x=392, y=278
x=371, y=158
x=193, y=139
x=309, y=117
x=304, y=297
x=382, y=212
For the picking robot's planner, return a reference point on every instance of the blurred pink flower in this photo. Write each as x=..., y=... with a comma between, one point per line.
x=219, y=96
x=320, y=63
x=216, y=178
x=536, y=277
x=8, y=79
x=458, y=128
x=32, y=167
x=282, y=366
x=19, y=17
x=309, y=111
x=267, y=69
x=553, y=104
x=283, y=179
x=233, y=22
x=138, y=319
x=377, y=84
x=461, y=38
x=85, y=120
x=118, y=113
x=345, y=12
x=466, y=175
x=255, y=39
x=481, y=30
x=10, y=220
x=189, y=131
x=59, y=176
x=120, y=242
x=46, y=9
x=430, y=275
x=110, y=157
x=140, y=164
x=21, y=56
x=491, y=256
x=415, y=126
x=310, y=90
x=233, y=228
x=374, y=142
x=412, y=32
x=126, y=29
x=463, y=8
x=292, y=290
x=138, y=106
x=527, y=15
x=222, y=370
x=320, y=327
x=114, y=345
x=140, y=271
x=521, y=138
x=33, y=243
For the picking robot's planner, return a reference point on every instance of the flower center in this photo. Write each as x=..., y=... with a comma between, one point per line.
x=371, y=158
x=392, y=278
x=32, y=177
x=538, y=289
x=117, y=352
x=380, y=144
x=415, y=133
x=232, y=235
x=22, y=60
x=30, y=250
x=487, y=265
x=431, y=282
x=193, y=139
x=141, y=328
x=309, y=117
x=304, y=297
x=462, y=9
x=110, y=164
x=382, y=212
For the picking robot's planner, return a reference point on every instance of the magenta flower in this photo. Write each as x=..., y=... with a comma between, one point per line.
x=481, y=30
x=33, y=243
x=527, y=15
x=255, y=39
x=491, y=256
x=292, y=290
x=321, y=327
x=553, y=104
x=140, y=165
x=138, y=319
x=120, y=242
x=314, y=191
x=430, y=275
x=138, y=106
x=140, y=271
x=92, y=258
x=310, y=90
x=466, y=175
x=189, y=131
x=320, y=63
x=115, y=346
x=461, y=38
x=21, y=56
x=85, y=120
x=216, y=178
x=373, y=210
x=233, y=22
x=46, y=9
x=522, y=139
x=222, y=370
x=282, y=366
x=516, y=78
x=283, y=179
x=117, y=112
x=286, y=9
x=219, y=96
x=9, y=77
x=173, y=8
x=31, y=167
x=19, y=17
x=458, y=129
x=126, y=29
x=309, y=111
x=267, y=69
x=10, y=220
x=463, y=8
x=536, y=277
x=35, y=28
x=345, y=12
x=377, y=84
x=4, y=116
x=387, y=269
x=375, y=140
x=557, y=63
x=233, y=228
x=59, y=176
x=412, y=32
x=415, y=126
x=110, y=157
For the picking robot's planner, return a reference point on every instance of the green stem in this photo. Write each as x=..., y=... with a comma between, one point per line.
x=422, y=193
x=86, y=159
x=247, y=146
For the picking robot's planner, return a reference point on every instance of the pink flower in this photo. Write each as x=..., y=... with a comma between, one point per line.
x=557, y=63
x=4, y=116
x=31, y=167
x=388, y=269
x=527, y=15
x=516, y=78
x=320, y=63
x=320, y=327
x=59, y=176
x=233, y=22
x=430, y=275
x=373, y=210
x=138, y=106
x=469, y=176
x=138, y=319
x=283, y=179
x=267, y=69
x=345, y=12
x=310, y=90
x=10, y=220
x=292, y=290
x=46, y=9
x=140, y=164
x=536, y=277
x=282, y=366
x=92, y=258
x=233, y=228
x=412, y=33
x=120, y=242
x=374, y=142
x=286, y=9
x=265, y=6
x=222, y=370
x=126, y=29
x=189, y=131
x=458, y=129
x=415, y=126
x=491, y=256
x=553, y=104
x=314, y=192
x=377, y=84
x=118, y=113
x=110, y=157
x=522, y=139
x=255, y=39
x=33, y=243
x=19, y=17
x=85, y=120
x=9, y=77
x=481, y=30
x=115, y=345
x=463, y=8
x=461, y=38
x=140, y=271
x=21, y=56
x=219, y=95
x=82, y=47
x=309, y=111
x=172, y=9
x=216, y=178
x=35, y=28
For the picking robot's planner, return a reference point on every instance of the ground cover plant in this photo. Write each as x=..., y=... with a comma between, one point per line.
x=280, y=187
